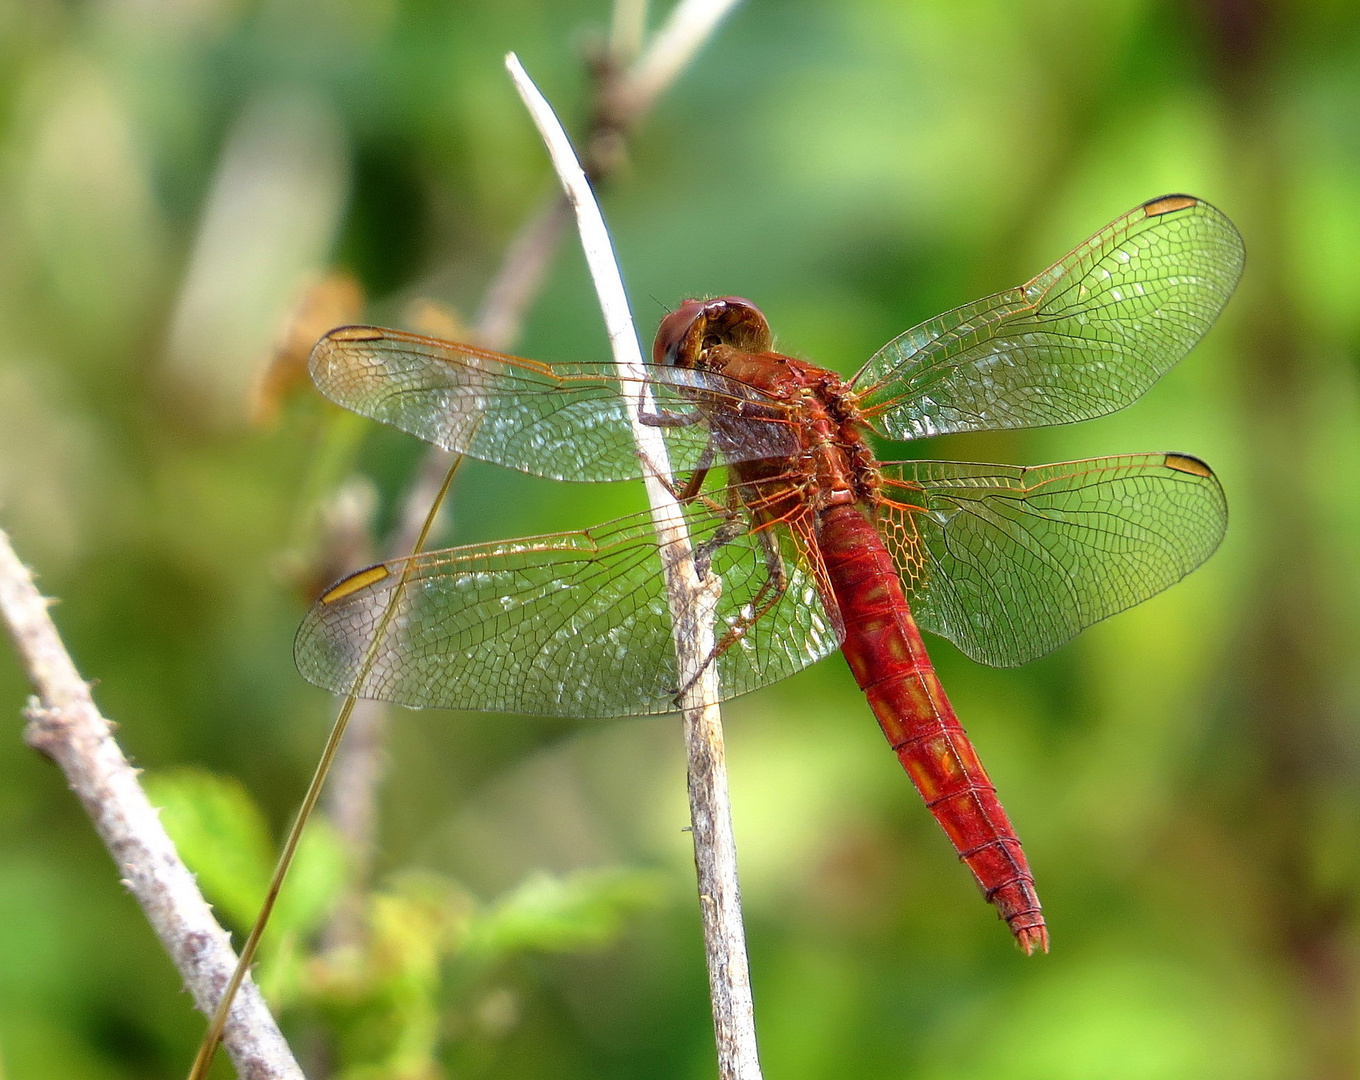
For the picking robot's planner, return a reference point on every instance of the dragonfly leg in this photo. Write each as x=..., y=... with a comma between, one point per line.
x=689, y=490
x=728, y=531
x=664, y=418
x=771, y=590
x=695, y=483
x=732, y=513
x=667, y=418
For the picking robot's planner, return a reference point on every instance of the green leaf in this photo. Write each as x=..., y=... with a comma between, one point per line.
x=221, y=835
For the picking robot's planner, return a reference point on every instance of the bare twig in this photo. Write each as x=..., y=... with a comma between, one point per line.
x=65, y=724
x=521, y=274
x=690, y=24
x=627, y=29
x=692, y=602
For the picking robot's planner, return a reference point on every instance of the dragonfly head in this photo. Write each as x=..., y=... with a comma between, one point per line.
x=686, y=335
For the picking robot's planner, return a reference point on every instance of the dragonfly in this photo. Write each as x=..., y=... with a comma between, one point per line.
x=818, y=545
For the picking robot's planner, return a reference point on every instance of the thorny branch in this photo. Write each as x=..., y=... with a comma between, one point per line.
x=65, y=724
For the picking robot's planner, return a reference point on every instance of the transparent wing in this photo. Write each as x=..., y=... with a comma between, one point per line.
x=570, y=624
x=565, y=421
x=1086, y=337
x=1008, y=563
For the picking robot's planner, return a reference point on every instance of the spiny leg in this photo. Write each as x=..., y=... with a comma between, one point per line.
x=690, y=491
x=667, y=418
x=771, y=590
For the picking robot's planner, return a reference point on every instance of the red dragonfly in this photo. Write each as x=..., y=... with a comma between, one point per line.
x=817, y=543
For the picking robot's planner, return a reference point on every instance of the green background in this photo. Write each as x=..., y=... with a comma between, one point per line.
x=1186, y=776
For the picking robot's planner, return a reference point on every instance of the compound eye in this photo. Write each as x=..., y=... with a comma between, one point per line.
x=674, y=328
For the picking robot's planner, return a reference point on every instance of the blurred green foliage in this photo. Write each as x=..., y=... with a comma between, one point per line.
x=1186, y=777
x=223, y=836
x=416, y=983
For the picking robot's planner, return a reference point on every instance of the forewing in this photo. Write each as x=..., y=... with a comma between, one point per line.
x=570, y=624
x=1008, y=563
x=1086, y=337
x=565, y=421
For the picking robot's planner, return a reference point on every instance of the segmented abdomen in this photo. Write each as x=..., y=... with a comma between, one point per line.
x=889, y=661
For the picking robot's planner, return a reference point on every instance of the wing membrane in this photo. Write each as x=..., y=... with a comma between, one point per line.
x=569, y=624
x=565, y=421
x=1008, y=563
x=1086, y=337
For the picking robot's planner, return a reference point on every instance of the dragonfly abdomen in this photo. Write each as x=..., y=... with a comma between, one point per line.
x=888, y=658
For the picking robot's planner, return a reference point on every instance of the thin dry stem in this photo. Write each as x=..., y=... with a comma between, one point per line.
x=692, y=603
x=65, y=724
x=688, y=27
x=521, y=274
x=627, y=29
